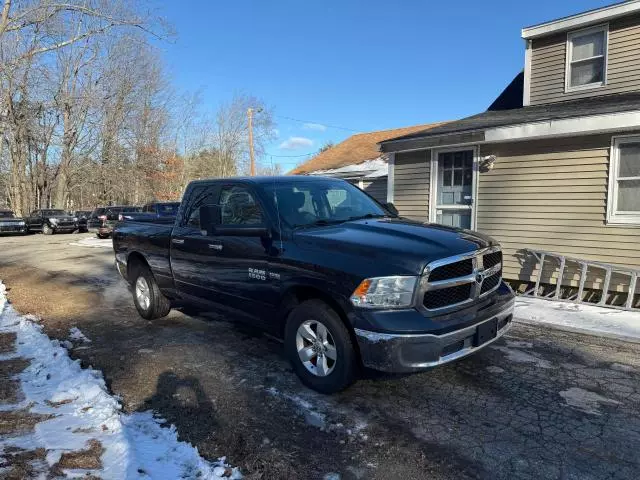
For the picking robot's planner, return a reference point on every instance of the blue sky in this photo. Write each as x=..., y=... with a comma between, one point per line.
x=358, y=64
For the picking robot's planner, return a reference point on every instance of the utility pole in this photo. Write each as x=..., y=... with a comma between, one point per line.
x=251, y=153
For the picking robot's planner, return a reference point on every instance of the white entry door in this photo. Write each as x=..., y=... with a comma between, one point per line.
x=453, y=179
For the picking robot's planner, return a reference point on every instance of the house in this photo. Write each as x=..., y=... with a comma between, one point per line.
x=557, y=168
x=358, y=160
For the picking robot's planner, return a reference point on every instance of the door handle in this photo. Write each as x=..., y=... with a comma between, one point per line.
x=177, y=241
x=215, y=246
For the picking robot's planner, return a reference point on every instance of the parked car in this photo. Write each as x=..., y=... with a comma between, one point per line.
x=9, y=223
x=341, y=278
x=103, y=219
x=50, y=221
x=83, y=218
x=159, y=212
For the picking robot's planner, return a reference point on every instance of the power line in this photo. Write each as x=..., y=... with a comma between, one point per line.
x=318, y=123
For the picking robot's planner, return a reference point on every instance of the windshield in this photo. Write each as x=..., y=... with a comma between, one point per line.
x=322, y=202
x=168, y=209
x=53, y=213
x=7, y=214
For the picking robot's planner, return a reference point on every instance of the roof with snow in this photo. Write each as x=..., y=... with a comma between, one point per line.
x=355, y=150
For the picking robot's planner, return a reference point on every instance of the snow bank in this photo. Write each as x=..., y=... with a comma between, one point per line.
x=76, y=334
x=579, y=317
x=94, y=242
x=83, y=410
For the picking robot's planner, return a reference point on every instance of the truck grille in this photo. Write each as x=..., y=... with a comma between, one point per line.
x=11, y=228
x=462, y=279
x=452, y=270
x=446, y=296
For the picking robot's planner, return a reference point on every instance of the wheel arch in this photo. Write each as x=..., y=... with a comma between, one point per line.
x=136, y=259
x=297, y=294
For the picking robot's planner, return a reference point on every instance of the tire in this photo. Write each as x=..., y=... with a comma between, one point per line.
x=324, y=375
x=156, y=304
x=101, y=237
x=47, y=230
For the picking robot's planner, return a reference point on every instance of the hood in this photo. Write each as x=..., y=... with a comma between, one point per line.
x=12, y=220
x=403, y=244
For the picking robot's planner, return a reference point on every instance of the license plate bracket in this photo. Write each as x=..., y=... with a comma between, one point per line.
x=485, y=332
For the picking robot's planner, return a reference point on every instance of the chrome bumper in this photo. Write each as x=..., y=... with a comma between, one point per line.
x=415, y=352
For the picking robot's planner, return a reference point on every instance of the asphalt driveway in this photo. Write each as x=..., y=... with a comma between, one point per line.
x=537, y=404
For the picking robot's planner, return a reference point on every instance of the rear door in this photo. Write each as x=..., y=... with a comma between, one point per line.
x=35, y=220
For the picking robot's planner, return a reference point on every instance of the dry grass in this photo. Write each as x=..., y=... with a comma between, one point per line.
x=10, y=391
x=19, y=421
x=7, y=342
x=88, y=459
x=22, y=464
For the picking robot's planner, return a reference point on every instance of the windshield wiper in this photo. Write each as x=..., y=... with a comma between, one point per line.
x=368, y=215
x=319, y=223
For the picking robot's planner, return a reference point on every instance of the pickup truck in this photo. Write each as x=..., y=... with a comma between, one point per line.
x=343, y=280
x=103, y=219
x=50, y=221
x=9, y=223
x=158, y=212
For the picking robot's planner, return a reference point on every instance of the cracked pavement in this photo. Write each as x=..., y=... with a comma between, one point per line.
x=538, y=403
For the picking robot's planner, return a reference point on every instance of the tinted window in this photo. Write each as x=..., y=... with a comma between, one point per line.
x=53, y=213
x=167, y=209
x=239, y=207
x=6, y=214
x=199, y=196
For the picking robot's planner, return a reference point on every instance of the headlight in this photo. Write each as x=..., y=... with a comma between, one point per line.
x=75, y=219
x=385, y=292
x=21, y=224
x=53, y=220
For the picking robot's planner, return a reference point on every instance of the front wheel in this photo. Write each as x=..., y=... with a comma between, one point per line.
x=47, y=230
x=319, y=347
x=147, y=297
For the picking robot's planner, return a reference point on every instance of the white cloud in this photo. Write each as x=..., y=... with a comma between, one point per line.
x=296, y=143
x=318, y=127
x=276, y=132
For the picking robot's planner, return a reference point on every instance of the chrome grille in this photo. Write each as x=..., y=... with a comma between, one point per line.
x=461, y=279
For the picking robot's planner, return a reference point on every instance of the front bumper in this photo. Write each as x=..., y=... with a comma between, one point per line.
x=399, y=353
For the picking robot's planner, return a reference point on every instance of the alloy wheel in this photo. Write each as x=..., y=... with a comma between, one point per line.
x=142, y=293
x=316, y=348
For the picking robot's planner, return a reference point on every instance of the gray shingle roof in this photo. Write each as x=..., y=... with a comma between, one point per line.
x=538, y=113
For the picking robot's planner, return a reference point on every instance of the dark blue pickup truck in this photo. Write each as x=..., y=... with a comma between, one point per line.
x=342, y=279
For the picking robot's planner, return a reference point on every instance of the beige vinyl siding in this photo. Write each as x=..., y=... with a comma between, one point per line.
x=411, y=184
x=548, y=62
x=551, y=195
x=377, y=188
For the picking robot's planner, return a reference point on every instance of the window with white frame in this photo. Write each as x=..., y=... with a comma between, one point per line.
x=586, y=58
x=624, y=181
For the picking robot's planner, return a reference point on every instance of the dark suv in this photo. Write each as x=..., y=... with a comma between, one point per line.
x=103, y=219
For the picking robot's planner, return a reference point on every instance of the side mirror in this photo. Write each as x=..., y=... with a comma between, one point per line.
x=209, y=219
x=391, y=208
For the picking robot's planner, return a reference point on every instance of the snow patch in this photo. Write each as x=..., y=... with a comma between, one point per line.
x=588, y=402
x=94, y=242
x=518, y=356
x=579, y=317
x=76, y=334
x=311, y=416
x=82, y=410
x=494, y=369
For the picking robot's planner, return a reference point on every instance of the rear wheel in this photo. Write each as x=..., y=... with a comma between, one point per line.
x=147, y=297
x=47, y=230
x=319, y=347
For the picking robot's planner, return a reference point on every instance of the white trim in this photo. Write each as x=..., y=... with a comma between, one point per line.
x=568, y=88
x=433, y=184
x=361, y=183
x=613, y=216
x=582, y=19
x=391, y=162
x=565, y=127
x=526, y=94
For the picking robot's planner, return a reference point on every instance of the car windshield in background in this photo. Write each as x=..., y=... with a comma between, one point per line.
x=53, y=213
x=168, y=209
x=319, y=202
x=6, y=214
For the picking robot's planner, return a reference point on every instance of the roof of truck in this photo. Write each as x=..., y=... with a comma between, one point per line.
x=267, y=179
